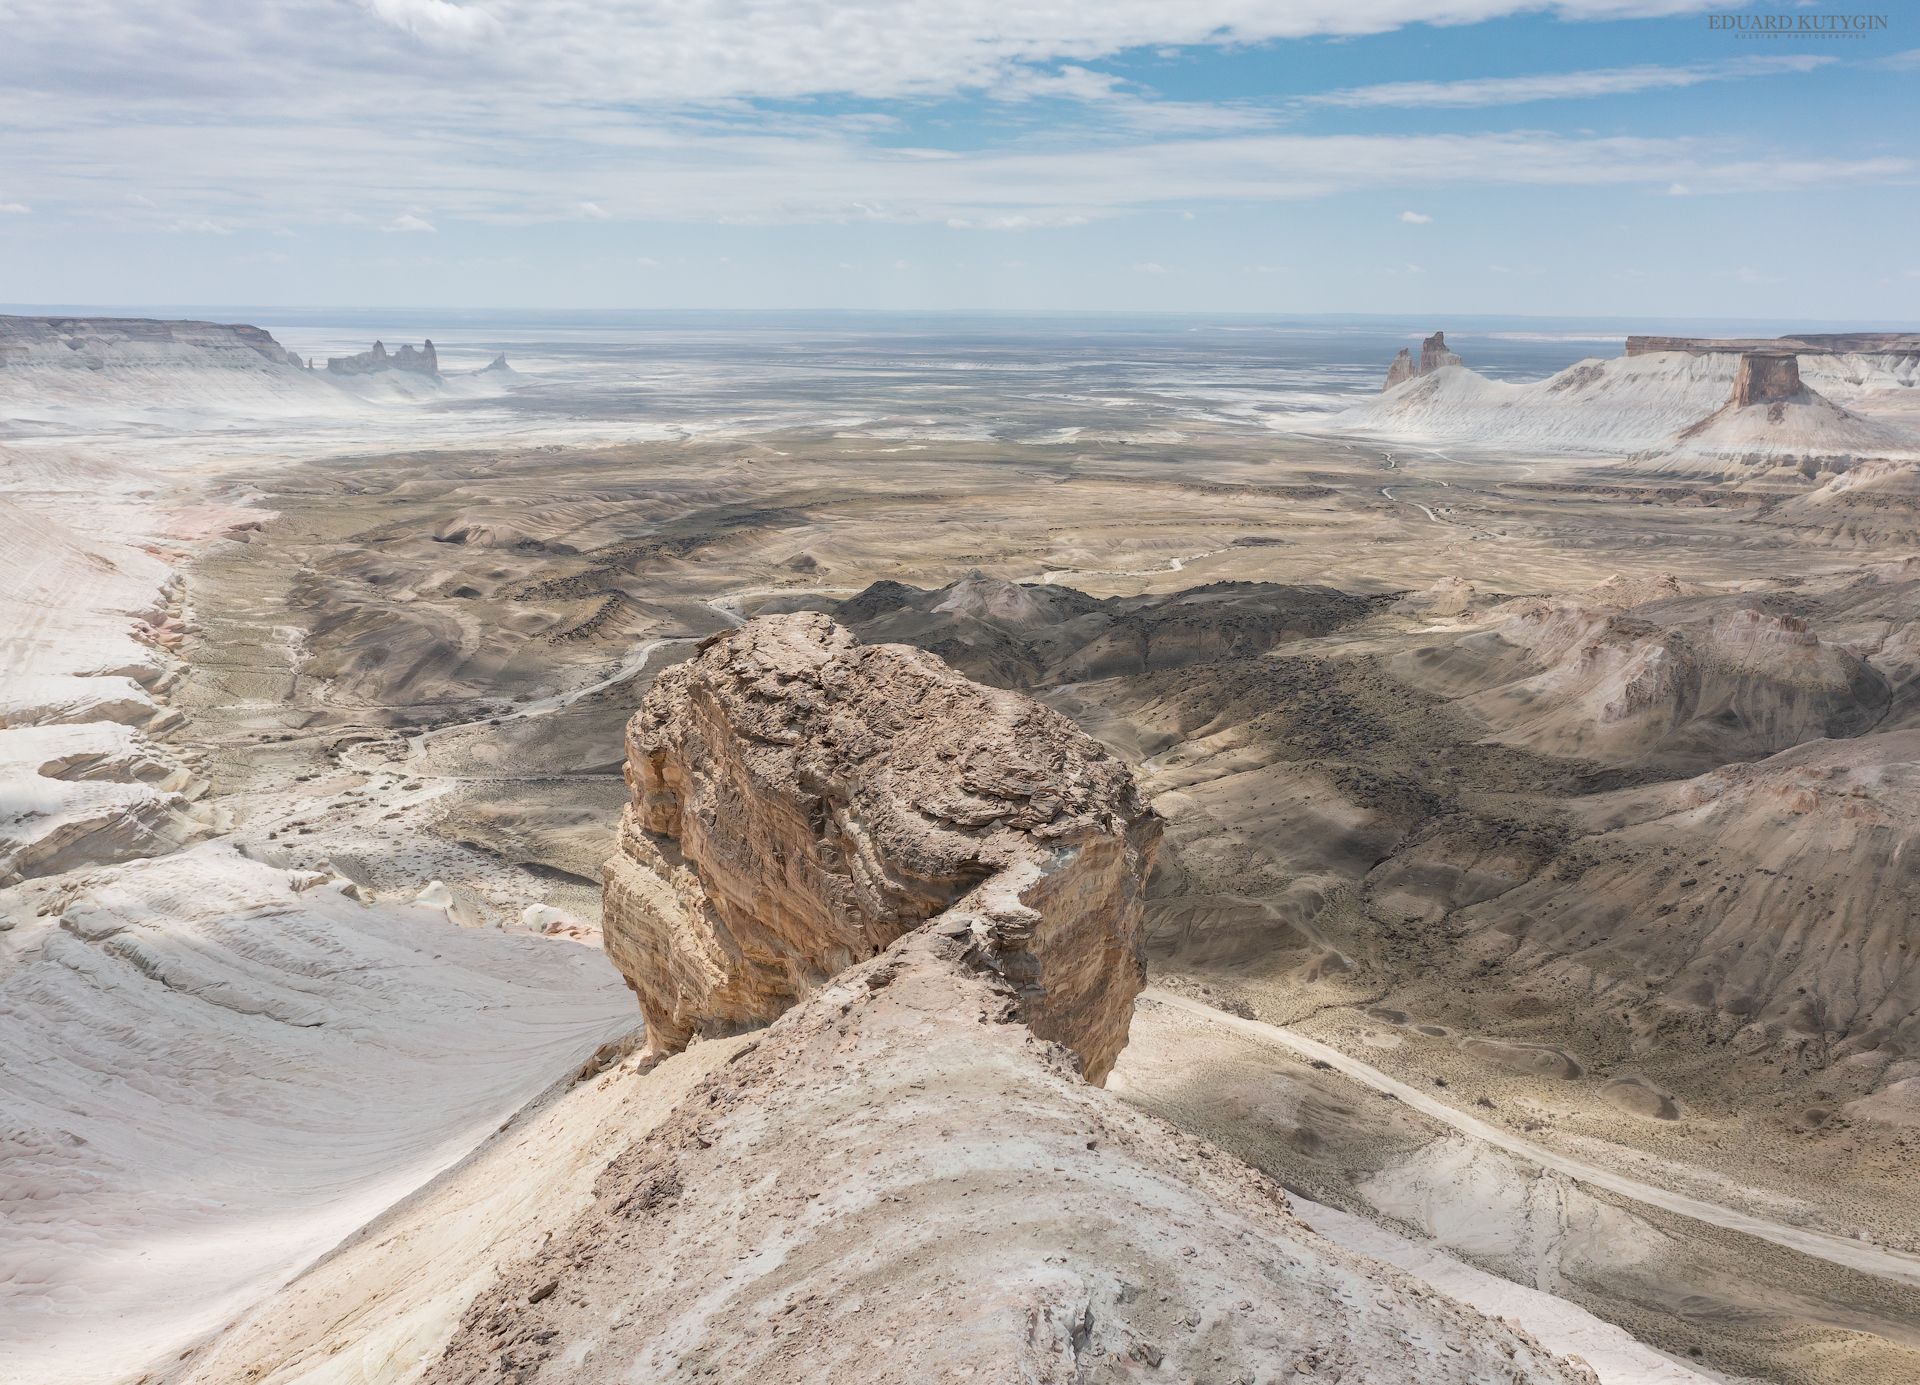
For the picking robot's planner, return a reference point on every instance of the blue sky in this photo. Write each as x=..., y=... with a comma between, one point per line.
x=1594, y=157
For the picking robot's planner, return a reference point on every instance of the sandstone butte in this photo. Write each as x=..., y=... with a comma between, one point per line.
x=800, y=801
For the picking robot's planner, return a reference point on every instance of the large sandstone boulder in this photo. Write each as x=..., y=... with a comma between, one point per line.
x=800, y=801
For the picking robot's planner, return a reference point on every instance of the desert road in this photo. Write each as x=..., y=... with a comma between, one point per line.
x=1838, y=1250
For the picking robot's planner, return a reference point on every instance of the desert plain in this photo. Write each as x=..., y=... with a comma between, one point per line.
x=1534, y=904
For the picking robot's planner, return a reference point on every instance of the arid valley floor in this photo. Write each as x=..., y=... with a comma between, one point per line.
x=1535, y=898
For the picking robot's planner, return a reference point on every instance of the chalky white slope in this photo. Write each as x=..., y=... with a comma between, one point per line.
x=211, y=1078
x=1628, y=404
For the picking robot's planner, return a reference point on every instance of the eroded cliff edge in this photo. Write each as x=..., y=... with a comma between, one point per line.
x=800, y=801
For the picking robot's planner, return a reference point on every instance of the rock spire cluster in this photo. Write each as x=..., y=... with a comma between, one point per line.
x=1433, y=356
x=421, y=362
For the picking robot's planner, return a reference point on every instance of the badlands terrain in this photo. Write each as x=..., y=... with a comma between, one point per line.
x=1524, y=911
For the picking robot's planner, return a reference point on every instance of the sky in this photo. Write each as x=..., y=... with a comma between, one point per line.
x=1588, y=157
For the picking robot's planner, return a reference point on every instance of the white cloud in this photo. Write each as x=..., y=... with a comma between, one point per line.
x=1525, y=273
x=1679, y=190
x=899, y=264
x=1414, y=218
x=1415, y=269
x=1553, y=86
x=592, y=212
x=650, y=264
x=14, y=209
x=1148, y=268
x=437, y=21
x=660, y=52
x=498, y=111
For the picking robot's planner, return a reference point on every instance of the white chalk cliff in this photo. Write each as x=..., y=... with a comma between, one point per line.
x=1646, y=404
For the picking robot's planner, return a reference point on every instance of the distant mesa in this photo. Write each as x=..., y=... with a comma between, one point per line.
x=421, y=362
x=1433, y=356
x=497, y=363
x=1742, y=407
x=94, y=343
x=1831, y=344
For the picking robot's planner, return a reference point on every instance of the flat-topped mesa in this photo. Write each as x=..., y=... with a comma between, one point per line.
x=1401, y=370
x=800, y=801
x=1763, y=377
x=421, y=362
x=1806, y=344
x=1434, y=354
x=92, y=343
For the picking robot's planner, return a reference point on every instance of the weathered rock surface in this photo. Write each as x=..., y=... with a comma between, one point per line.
x=1815, y=344
x=1764, y=376
x=801, y=800
x=1401, y=369
x=1434, y=354
x=895, y=1182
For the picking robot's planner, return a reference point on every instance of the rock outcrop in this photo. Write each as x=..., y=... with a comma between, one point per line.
x=1667, y=410
x=1434, y=354
x=1765, y=376
x=421, y=362
x=1811, y=344
x=800, y=801
x=96, y=342
x=1771, y=419
x=1401, y=370
x=896, y=1183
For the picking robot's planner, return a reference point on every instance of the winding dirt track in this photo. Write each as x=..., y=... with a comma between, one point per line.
x=1853, y=1255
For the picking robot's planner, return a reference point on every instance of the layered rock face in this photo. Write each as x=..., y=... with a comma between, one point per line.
x=1434, y=354
x=1401, y=370
x=800, y=801
x=422, y=362
x=1844, y=343
x=1764, y=377
x=92, y=343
